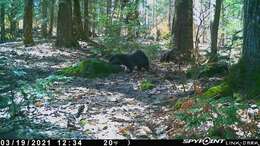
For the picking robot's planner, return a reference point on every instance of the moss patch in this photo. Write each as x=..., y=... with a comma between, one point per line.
x=146, y=85
x=178, y=104
x=218, y=91
x=91, y=69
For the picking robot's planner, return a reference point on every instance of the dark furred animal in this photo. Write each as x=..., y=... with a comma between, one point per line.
x=137, y=59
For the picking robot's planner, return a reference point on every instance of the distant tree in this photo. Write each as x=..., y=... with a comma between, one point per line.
x=64, y=27
x=12, y=17
x=214, y=31
x=93, y=22
x=182, y=37
x=77, y=22
x=251, y=49
x=51, y=10
x=2, y=21
x=44, y=5
x=27, y=22
x=86, y=20
x=170, y=14
x=109, y=15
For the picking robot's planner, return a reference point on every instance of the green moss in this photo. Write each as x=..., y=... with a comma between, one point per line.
x=91, y=69
x=146, y=85
x=178, y=104
x=219, y=90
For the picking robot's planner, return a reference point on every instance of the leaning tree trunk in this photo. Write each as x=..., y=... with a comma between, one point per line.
x=77, y=25
x=27, y=22
x=182, y=32
x=64, y=26
x=251, y=49
x=2, y=22
x=44, y=5
x=214, y=31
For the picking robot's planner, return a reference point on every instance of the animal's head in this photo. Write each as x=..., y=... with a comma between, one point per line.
x=115, y=59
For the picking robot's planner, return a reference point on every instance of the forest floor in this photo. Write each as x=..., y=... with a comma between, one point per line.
x=110, y=107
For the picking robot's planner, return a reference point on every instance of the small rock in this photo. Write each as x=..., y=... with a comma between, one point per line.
x=143, y=132
x=254, y=106
x=104, y=128
x=252, y=112
x=215, y=115
x=161, y=129
x=258, y=125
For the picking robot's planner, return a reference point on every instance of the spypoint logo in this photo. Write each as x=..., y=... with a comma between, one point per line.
x=204, y=141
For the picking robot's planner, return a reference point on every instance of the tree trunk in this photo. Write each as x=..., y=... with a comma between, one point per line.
x=27, y=22
x=132, y=20
x=12, y=18
x=2, y=22
x=93, y=7
x=64, y=26
x=182, y=31
x=52, y=3
x=13, y=25
x=214, y=31
x=251, y=49
x=78, y=27
x=109, y=15
x=86, y=19
x=116, y=9
x=145, y=12
x=170, y=15
x=44, y=5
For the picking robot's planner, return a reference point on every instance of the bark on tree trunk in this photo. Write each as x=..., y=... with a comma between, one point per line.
x=251, y=49
x=13, y=25
x=52, y=3
x=64, y=26
x=27, y=22
x=86, y=19
x=12, y=19
x=2, y=23
x=77, y=25
x=109, y=15
x=44, y=5
x=182, y=31
x=214, y=31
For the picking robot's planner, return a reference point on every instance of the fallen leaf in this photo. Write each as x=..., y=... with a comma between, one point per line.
x=187, y=104
x=39, y=104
